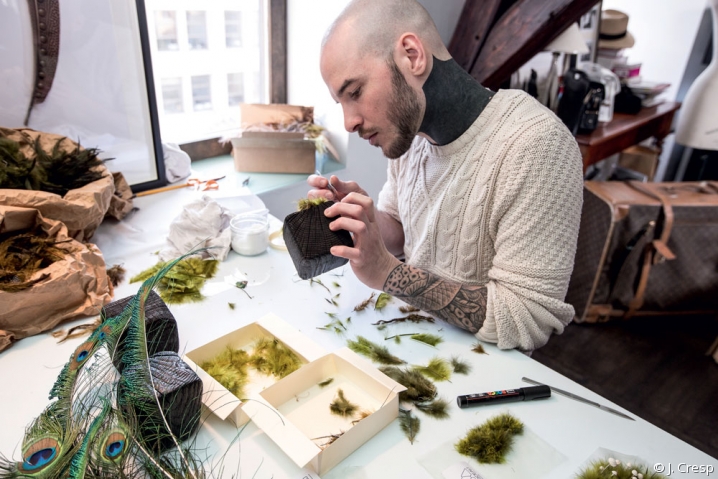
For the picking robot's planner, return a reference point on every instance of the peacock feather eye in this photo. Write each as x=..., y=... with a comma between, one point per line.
x=39, y=454
x=114, y=445
x=81, y=354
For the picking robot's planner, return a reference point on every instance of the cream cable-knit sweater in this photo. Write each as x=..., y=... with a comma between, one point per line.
x=499, y=206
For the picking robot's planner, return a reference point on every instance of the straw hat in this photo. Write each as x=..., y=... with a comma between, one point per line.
x=614, y=32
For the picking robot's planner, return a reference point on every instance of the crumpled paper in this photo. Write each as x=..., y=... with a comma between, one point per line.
x=82, y=209
x=203, y=223
x=177, y=162
x=77, y=285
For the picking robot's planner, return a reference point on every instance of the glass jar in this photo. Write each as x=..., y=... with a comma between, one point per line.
x=250, y=234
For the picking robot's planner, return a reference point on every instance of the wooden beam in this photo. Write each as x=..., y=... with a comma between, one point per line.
x=522, y=32
x=278, y=51
x=474, y=24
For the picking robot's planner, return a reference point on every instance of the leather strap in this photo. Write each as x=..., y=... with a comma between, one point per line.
x=637, y=301
x=45, y=19
x=660, y=244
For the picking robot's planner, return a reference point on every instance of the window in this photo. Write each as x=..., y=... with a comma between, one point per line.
x=197, y=30
x=233, y=28
x=172, y=95
x=201, y=93
x=166, y=27
x=235, y=88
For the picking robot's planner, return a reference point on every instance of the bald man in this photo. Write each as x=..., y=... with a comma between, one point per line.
x=484, y=190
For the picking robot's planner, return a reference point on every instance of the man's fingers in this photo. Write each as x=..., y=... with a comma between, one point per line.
x=352, y=254
x=357, y=227
x=366, y=203
x=346, y=209
x=346, y=187
x=320, y=194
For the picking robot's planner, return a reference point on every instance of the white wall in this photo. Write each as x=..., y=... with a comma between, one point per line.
x=307, y=20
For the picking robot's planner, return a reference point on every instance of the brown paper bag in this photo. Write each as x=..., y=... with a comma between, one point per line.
x=121, y=202
x=76, y=286
x=82, y=209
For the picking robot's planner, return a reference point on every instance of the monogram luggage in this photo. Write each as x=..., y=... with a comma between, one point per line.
x=646, y=249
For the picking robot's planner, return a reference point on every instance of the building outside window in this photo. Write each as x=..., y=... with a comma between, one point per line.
x=201, y=80
x=166, y=27
x=201, y=93
x=172, y=95
x=197, y=30
x=235, y=88
x=233, y=28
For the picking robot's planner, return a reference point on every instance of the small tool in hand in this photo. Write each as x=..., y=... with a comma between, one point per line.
x=330, y=186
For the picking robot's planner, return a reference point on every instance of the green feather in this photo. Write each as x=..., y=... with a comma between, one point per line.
x=437, y=369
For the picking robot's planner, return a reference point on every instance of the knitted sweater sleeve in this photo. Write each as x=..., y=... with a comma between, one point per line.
x=388, y=200
x=533, y=223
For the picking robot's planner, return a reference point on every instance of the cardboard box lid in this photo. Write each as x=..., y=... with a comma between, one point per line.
x=272, y=143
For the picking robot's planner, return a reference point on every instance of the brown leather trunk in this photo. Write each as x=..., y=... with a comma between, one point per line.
x=646, y=249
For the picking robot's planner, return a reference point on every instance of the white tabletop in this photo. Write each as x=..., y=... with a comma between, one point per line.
x=568, y=430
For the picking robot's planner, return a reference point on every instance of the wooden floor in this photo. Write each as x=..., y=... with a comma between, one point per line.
x=653, y=367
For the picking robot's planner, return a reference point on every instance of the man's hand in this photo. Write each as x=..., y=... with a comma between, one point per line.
x=321, y=188
x=369, y=258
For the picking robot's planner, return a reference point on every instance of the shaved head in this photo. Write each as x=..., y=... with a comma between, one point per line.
x=376, y=25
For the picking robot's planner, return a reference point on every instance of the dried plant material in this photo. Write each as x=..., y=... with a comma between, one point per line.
x=319, y=282
x=412, y=318
x=116, y=274
x=307, y=203
x=332, y=301
x=613, y=468
x=381, y=301
x=183, y=283
x=362, y=415
x=272, y=358
x=328, y=439
x=378, y=354
x=341, y=406
x=430, y=339
x=229, y=368
x=438, y=408
x=409, y=309
x=492, y=441
x=438, y=369
x=57, y=171
x=409, y=424
x=418, y=388
x=335, y=325
x=363, y=305
x=243, y=285
x=231, y=306
x=336, y=285
x=325, y=383
x=459, y=366
x=23, y=255
x=76, y=331
x=478, y=348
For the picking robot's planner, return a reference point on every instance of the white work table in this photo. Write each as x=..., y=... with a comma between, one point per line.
x=569, y=430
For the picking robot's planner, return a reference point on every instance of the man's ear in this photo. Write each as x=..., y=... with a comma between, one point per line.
x=412, y=54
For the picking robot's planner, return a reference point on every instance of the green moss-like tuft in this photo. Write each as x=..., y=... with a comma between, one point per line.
x=438, y=369
x=378, y=354
x=603, y=469
x=418, y=388
x=438, y=408
x=272, y=358
x=341, y=406
x=184, y=282
x=460, y=366
x=490, y=442
x=307, y=203
x=229, y=368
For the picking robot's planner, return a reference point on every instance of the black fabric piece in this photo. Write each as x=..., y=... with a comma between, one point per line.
x=160, y=324
x=454, y=100
x=309, y=239
x=606, y=36
x=179, y=390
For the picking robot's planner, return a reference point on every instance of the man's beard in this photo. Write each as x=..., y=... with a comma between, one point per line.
x=404, y=113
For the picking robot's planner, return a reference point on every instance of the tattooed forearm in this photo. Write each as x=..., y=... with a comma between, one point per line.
x=461, y=305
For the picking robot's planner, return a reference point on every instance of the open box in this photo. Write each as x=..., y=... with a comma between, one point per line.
x=216, y=397
x=301, y=423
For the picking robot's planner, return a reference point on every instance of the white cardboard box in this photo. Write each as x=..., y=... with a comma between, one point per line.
x=301, y=409
x=216, y=397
